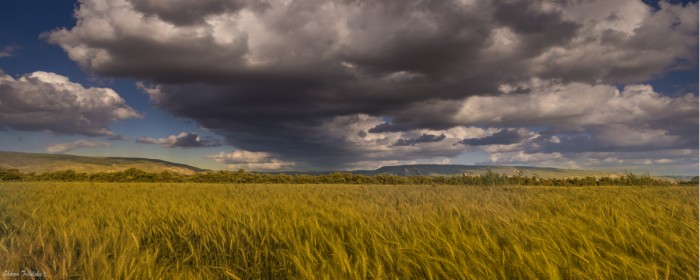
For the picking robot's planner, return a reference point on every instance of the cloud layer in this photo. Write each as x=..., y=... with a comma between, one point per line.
x=8, y=51
x=503, y=137
x=46, y=101
x=182, y=140
x=330, y=84
x=247, y=160
x=78, y=144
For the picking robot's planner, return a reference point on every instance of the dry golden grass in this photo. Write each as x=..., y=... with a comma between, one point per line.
x=215, y=231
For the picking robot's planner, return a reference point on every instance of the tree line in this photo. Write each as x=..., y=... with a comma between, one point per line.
x=488, y=178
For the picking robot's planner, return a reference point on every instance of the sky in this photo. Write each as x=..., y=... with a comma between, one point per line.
x=350, y=84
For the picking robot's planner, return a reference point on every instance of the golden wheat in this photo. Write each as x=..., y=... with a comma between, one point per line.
x=215, y=231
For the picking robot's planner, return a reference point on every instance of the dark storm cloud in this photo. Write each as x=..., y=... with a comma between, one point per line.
x=615, y=138
x=277, y=77
x=425, y=138
x=503, y=137
x=455, y=36
x=185, y=12
x=538, y=30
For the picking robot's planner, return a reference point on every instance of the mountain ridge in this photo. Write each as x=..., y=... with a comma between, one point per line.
x=42, y=163
x=458, y=169
x=436, y=169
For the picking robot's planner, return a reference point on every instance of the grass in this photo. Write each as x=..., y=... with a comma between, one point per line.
x=215, y=231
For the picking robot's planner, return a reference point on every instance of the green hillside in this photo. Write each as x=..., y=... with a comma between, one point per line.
x=40, y=163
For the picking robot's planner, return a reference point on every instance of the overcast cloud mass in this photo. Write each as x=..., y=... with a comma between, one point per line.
x=313, y=84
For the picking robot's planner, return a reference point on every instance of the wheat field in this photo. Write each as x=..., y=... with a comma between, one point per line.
x=219, y=231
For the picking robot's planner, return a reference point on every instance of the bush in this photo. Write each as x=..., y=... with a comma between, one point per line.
x=7, y=174
x=489, y=178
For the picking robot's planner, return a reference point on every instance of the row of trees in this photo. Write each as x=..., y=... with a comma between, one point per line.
x=242, y=177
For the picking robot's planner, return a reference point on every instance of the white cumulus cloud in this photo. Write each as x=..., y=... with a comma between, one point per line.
x=256, y=161
x=47, y=101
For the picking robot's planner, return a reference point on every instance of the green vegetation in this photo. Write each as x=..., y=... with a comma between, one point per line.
x=230, y=231
x=43, y=163
x=486, y=179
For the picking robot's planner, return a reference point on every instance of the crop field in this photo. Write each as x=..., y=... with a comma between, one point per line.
x=226, y=231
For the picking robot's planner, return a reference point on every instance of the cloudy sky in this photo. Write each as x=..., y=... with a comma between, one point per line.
x=355, y=84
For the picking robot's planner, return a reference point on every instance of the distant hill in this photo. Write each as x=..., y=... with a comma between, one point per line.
x=439, y=169
x=449, y=170
x=41, y=163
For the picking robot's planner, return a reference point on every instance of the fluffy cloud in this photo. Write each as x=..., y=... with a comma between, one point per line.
x=78, y=144
x=297, y=79
x=51, y=102
x=545, y=159
x=371, y=165
x=578, y=104
x=417, y=145
x=182, y=140
x=668, y=162
x=258, y=161
x=582, y=117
